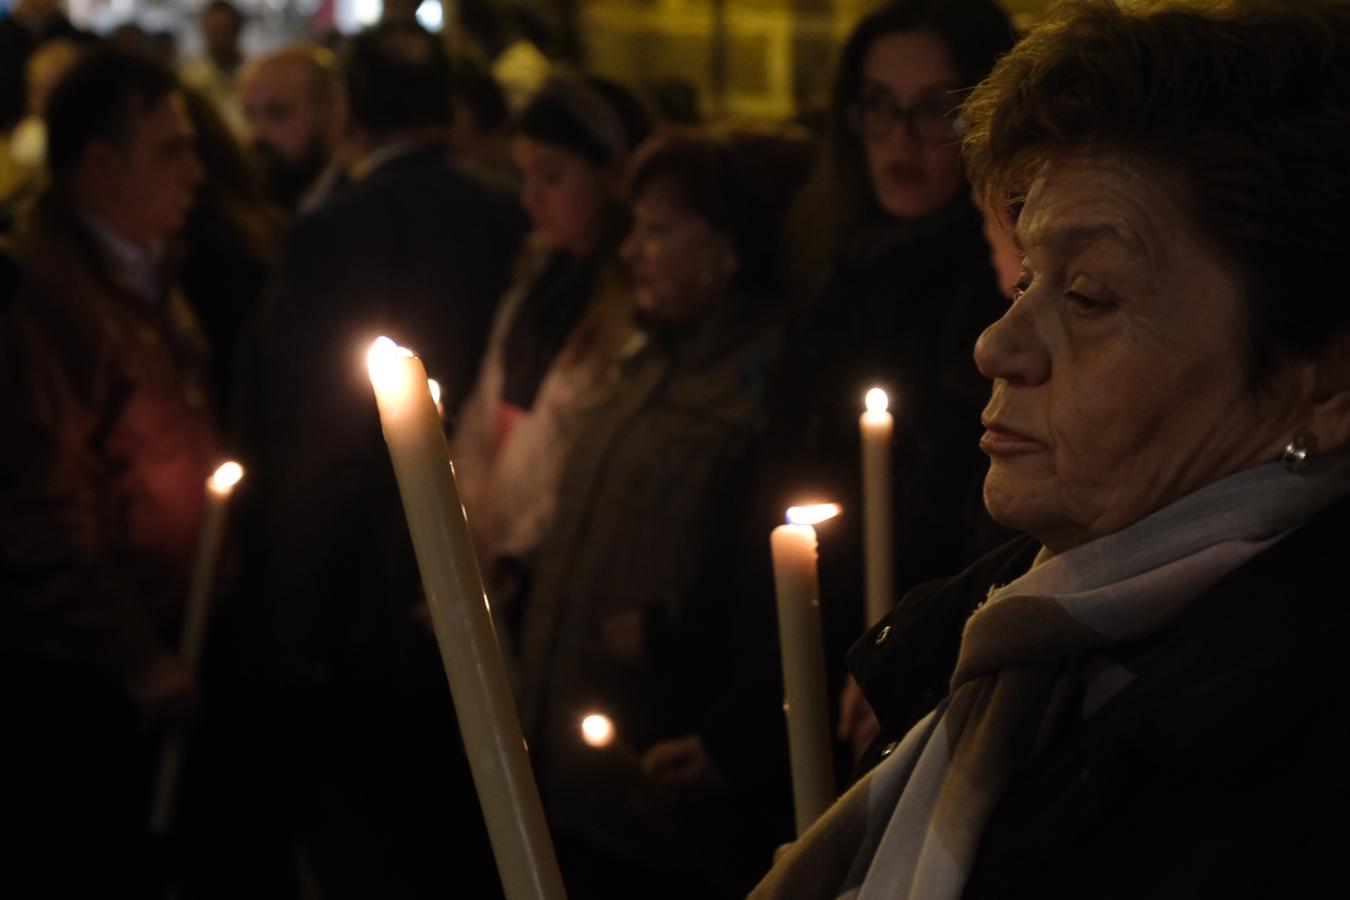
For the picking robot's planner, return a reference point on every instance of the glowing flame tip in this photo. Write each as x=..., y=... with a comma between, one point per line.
x=813, y=515
x=382, y=361
x=877, y=401
x=597, y=730
x=223, y=480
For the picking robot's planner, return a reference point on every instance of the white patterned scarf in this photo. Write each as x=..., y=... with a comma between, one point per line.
x=910, y=829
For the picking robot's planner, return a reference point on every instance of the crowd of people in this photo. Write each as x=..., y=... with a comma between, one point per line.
x=651, y=336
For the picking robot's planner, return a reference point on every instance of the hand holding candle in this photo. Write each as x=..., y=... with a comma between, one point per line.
x=463, y=625
x=876, y=426
x=803, y=649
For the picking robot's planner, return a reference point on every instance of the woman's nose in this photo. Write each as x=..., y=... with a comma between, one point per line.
x=1011, y=350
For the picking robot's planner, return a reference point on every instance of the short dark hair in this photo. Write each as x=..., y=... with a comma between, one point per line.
x=397, y=76
x=1248, y=103
x=99, y=99
x=550, y=118
x=741, y=181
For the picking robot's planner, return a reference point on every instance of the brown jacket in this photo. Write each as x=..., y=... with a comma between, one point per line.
x=632, y=613
x=102, y=473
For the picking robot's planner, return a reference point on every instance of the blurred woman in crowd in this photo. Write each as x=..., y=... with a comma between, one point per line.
x=1144, y=696
x=631, y=615
x=560, y=326
x=898, y=285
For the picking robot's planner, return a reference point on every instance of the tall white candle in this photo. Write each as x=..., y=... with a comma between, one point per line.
x=876, y=427
x=219, y=487
x=810, y=749
x=470, y=653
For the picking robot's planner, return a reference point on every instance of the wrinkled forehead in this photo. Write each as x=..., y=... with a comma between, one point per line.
x=1107, y=200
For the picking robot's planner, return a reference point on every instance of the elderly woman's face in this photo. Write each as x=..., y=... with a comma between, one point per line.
x=681, y=263
x=1120, y=375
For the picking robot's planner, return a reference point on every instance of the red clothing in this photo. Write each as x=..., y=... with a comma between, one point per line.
x=110, y=440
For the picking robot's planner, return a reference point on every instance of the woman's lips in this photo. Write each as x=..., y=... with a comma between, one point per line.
x=904, y=174
x=1000, y=439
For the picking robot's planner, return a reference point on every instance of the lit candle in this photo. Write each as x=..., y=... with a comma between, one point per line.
x=459, y=613
x=219, y=487
x=803, y=649
x=876, y=426
x=597, y=730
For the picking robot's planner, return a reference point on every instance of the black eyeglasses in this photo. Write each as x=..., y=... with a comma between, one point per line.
x=874, y=115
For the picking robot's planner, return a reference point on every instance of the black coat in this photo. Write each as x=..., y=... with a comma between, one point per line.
x=420, y=252
x=632, y=613
x=1219, y=772
x=903, y=308
x=349, y=687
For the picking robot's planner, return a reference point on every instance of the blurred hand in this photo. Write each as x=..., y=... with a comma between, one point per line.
x=165, y=690
x=858, y=725
x=679, y=762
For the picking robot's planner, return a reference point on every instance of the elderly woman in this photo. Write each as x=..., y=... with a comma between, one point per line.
x=631, y=615
x=1143, y=697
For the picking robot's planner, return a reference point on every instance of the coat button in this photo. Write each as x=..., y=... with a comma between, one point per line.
x=884, y=633
x=889, y=749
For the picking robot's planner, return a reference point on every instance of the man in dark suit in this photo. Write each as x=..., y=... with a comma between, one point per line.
x=351, y=691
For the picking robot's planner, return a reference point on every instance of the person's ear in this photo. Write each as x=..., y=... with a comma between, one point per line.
x=102, y=163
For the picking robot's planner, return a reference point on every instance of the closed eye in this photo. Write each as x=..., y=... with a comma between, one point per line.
x=1085, y=305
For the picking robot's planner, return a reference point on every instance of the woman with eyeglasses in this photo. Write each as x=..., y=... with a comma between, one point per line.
x=898, y=285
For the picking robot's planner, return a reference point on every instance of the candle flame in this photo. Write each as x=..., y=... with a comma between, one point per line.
x=435, y=391
x=383, y=362
x=597, y=730
x=223, y=480
x=813, y=515
x=877, y=401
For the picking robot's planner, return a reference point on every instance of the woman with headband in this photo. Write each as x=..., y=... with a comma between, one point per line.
x=559, y=327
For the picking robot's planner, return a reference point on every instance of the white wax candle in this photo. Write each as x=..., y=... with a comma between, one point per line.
x=219, y=487
x=807, y=707
x=876, y=426
x=470, y=653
